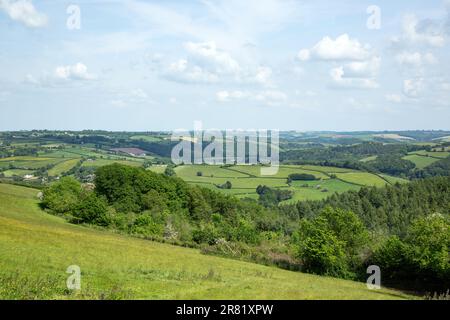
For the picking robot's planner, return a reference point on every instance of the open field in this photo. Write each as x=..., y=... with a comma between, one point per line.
x=36, y=249
x=434, y=154
x=104, y=162
x=16, y=172
x=368, y=159
x=63, y=167
x=420, y=161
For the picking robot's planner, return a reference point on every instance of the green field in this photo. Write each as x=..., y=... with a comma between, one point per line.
x=368, y=159
x=62, y=167
x=362, y=178
x=16, y=172
x=434, y=154
x=146, y=138
x=104, y=162
x=420, y=161
x=318, y=190
x=37, y=248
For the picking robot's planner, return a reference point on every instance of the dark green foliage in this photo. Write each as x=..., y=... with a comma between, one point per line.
x=421, y=258
x=393, y=165
x=169, y=171
x=269, y=197
x=226, y=185
x=301, y=177
x=332, y=243
x=440, y=168
x=62, y=196
x=91, y=209
x=390, y=209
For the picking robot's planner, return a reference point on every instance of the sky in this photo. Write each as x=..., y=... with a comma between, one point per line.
x=137, y=65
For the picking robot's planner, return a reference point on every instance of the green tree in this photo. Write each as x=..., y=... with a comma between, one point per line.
x=62, y=196
x=91, y=209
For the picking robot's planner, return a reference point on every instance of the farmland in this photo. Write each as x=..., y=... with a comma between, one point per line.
x=245, y=179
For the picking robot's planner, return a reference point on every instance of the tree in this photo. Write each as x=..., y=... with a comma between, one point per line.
x=62, y=196
x=332, y=243
x=91, y=209
x=320, y=250
x=169, y=171
x=421, y=259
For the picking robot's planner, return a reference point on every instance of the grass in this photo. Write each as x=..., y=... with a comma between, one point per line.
x=104, y=162
x=36, y=249
x=393, y=180
x=368, y=159
x=362, y=178
x=318, y=190
x=434, y=154
x=146, y=138
x=158, y=168
x=62, y=167
x=16, y=172
x=420, y=161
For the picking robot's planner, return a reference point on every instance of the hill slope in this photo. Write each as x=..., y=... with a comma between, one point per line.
x=36, y=249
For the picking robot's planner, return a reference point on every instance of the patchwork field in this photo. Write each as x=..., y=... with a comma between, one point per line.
x=246, y=178
x=36, y=249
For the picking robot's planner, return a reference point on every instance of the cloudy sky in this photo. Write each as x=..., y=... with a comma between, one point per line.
x=161, y=65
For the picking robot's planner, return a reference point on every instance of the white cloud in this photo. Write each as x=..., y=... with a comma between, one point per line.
x=269, y=97
x=206, y=63
x=78, y=71
x=360, y=65
x=415, y=59
x=343, y=48
x=62, y=75
x=24, y=12
x=207, y=54
x=362, y=69
x=413, y=87
x=184, y=72
x=422, y=32
x=263, y=75
x=393, y=97
x=339, y=80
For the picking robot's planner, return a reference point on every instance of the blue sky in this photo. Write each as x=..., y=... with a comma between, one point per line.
x=161, y=65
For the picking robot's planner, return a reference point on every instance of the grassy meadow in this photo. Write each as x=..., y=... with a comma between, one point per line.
x=36, y=248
